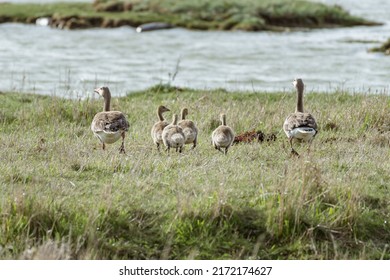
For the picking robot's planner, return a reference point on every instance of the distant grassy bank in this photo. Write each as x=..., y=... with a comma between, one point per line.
x=250, y=15
x=384, y=48
x=63, y=197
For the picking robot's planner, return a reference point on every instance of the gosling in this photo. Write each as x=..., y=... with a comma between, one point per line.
x=222, y=136
x=189, y=129
x=159, y=126
x=173, y=136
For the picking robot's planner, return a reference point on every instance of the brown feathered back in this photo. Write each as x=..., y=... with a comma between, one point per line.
x=111, y=121
x=299, y=119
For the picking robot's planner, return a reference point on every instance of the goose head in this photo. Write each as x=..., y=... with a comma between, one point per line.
x=298, y=84
x=103, y=92
x=184, y=113
x=162, y=109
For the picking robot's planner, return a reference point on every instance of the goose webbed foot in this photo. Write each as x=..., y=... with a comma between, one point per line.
x=122, y=150
x=294, y=153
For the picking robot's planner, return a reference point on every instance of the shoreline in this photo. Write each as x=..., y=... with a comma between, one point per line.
x=166, y=87
x=384, y=48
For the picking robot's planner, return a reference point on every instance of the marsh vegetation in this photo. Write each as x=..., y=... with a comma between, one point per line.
x=384, y=48
x=249, y=15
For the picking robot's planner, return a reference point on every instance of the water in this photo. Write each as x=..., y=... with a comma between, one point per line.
x=71, y=63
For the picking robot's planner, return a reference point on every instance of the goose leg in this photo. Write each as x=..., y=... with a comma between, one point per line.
x=309, y=147
x=158, y=146
x=195, y=142
x=293, y=152
x=122, y=147
x=103, y=146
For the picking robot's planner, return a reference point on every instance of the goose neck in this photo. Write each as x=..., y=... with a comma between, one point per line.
x=159, y=114
x=299, y=107
x=183, y=114
x=223, y=119
x=174, y=120
x=107, y=103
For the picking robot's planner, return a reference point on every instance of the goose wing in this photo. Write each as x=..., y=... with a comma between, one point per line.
x=299, y=120
x=187, y=123
x=110, y=122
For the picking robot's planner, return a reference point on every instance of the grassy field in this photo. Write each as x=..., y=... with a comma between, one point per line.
x=63, y=197
x=250, y=15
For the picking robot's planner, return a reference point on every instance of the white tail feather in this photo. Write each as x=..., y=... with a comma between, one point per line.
x=304, y=133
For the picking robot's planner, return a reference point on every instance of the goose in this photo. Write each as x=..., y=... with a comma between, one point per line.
x=300, y=125
x=222, y=136
x=173, y=136
x=108, y=126
x=159, y=126
x=189, y=129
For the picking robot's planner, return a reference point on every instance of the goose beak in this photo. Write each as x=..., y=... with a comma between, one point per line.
x=294, y=83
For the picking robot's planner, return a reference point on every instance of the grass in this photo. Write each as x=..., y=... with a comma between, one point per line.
x=65, y=198
x=247, y=15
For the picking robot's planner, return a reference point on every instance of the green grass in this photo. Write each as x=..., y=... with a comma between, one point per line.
x=63, y=197
x=250, y=15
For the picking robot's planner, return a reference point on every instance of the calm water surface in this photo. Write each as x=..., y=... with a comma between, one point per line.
x=40, y=59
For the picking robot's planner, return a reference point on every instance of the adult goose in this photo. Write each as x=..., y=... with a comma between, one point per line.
x=108, y=126
x=299, y=125
x=173, y=136
x=189, y=129
x=222, y=136
x=159, y=126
